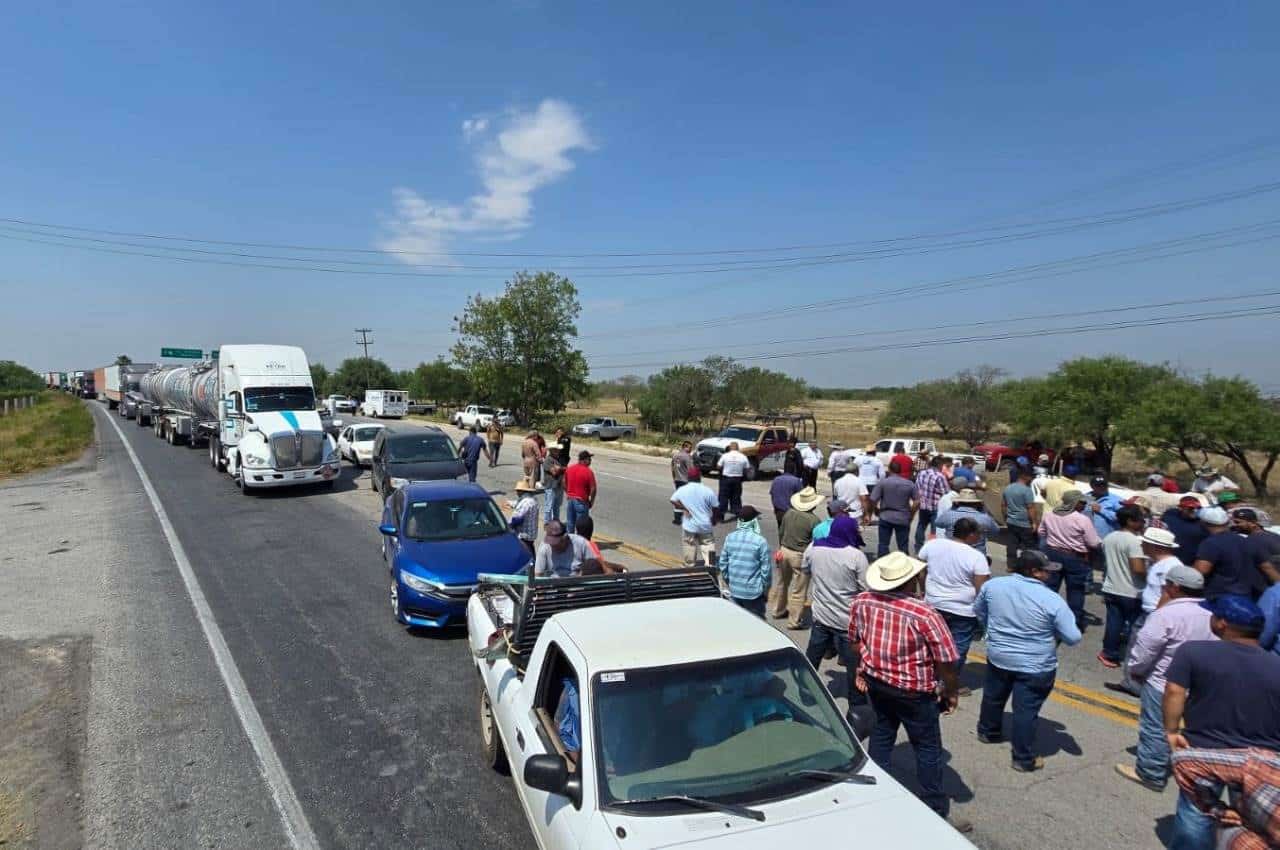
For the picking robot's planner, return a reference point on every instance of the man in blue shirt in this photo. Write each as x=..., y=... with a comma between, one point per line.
x=471, y=447
x=745, y=563
x=1184, y=522
x=697, y=504
x=1024, y=621
x=781, y=490
x=1101, y=506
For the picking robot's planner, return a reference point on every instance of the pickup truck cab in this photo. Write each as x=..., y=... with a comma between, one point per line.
x=340, y=404
x=766, y=446
x=886, y=448
x=479, y=415
x=680, y=720
x=604, y=428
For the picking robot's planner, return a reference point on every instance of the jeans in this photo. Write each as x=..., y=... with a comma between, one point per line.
x=678, y=484
x=1128, y=682
x=1153, y=747
x=730, y=496
x=1192, y=828
x=1077, y=572
x=924, y=521
x=919, y=714
x=962, y=629
x=755, y=606
x=471, y=466
x=574, y=509
x=552, y=496
x=1121, y=612
x=1023, y=538
x=494, y=448
x=885, y=531
x=1029, y=691
x=823, y=637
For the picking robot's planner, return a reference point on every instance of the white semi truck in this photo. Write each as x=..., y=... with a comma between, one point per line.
x=255, y=409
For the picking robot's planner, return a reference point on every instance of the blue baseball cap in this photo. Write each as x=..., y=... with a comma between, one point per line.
x=1236, y=610
x=1022, y=461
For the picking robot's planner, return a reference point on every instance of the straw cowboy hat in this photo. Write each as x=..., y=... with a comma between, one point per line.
x=523, y=486
x=967, y=496
x=806, y=500
x=892, y=571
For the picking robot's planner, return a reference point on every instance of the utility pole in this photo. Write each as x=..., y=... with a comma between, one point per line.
x=365, y=342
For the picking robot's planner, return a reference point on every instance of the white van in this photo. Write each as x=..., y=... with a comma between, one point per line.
x=389, y=403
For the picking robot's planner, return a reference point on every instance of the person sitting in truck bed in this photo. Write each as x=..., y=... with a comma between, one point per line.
x=561, y=554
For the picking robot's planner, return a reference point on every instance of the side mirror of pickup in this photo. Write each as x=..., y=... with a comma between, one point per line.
x=550, y=773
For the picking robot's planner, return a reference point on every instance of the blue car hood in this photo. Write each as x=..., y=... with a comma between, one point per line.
x=459, y=561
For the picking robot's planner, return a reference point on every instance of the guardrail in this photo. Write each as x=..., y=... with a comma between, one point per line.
x=16, y=404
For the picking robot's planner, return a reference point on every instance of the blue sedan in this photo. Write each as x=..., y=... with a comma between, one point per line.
x=437, y=537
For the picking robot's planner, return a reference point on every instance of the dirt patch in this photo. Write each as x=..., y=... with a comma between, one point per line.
x=44, y=691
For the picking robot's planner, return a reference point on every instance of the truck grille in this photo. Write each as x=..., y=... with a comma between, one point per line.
x=709, y=457
x=293, y=450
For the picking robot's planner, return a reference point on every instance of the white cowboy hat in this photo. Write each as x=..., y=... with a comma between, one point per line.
x=806, y=500
x=967, y=496
x=523, y=486
x=892, y=571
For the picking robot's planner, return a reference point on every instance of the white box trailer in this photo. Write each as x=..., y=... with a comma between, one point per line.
x=393, y=404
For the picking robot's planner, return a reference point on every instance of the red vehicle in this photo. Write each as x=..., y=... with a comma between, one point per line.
x=1000, y=455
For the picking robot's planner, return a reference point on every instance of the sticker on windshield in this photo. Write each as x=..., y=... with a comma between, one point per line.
x=613, y=677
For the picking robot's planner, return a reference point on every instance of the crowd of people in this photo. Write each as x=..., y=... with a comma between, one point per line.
x=1190, y=586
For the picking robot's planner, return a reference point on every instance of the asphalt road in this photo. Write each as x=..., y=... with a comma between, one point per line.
x=375, y=725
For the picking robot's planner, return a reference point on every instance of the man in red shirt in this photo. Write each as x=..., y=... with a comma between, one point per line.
x=906, y=466
x=908, y=669
x=579, y=489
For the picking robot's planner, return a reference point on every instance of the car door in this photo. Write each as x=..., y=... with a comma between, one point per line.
x=378, y=465
x=344, y=443
x=555, y=820
x=393, y=513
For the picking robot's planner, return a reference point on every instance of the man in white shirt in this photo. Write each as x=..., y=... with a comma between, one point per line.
x=837, y=464
x=956, y=573
x=1211, y=482
x=870, y=469
x=811, y=457
x=733, y=466
x=853, y=492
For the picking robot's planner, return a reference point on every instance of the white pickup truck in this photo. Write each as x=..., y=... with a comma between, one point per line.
x=479, y=415
x=887, y=447
x=642, y=710
x=604, y=428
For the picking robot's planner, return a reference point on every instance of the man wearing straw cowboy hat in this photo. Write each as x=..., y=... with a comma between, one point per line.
x=524, y=514
x=908, y=669
x=789, y=589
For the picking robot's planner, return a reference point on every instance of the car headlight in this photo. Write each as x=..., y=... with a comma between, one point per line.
x=418, y=583
x=397, y=483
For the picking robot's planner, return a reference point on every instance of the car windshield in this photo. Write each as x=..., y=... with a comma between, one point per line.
x=737, y=432
x=364, y=435
x=733, y=730
x=420, y=448
x=263, y=399
x=449, y=519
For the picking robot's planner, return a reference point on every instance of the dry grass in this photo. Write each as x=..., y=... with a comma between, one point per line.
x=55, y=431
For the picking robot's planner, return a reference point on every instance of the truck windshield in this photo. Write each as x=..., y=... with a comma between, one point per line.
x=739, y=433
x=449, y=519
x=264, y=399
x=734, y=731
x=420, y=449
x=487, y=411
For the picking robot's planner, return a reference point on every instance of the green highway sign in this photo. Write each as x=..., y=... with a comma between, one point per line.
x=188, y=353
x=213, y=355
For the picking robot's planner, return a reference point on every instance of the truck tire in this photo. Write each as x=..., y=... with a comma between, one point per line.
x=490, y=740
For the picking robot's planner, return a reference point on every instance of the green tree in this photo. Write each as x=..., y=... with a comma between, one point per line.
x=123, y=360
x=15, y=376
x=627, y=388
x=320, y=379
x=357, y=374
x=1083, y=399
x=968, y=405
x=766, y=391
x=440, y=381
x=1169, y=421
x=517, y=348
x=1243, y=425
x=677, y=398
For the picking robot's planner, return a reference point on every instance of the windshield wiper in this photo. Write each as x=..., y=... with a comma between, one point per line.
x=699, y=803
x=838, y=775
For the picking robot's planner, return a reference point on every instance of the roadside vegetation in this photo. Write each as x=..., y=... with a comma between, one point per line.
x=56, y=430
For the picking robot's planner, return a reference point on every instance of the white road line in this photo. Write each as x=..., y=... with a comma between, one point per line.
x=293, y=818
x=662, y=487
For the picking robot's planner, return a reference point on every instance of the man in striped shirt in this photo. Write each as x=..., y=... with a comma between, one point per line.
x=932, y=485
x=908, y=669
x=745, y=563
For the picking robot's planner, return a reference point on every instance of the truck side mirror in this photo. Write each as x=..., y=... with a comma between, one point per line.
x=550, y=773
x=389, y=530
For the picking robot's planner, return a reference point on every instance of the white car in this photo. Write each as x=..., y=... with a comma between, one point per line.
x=340, y=404
x=355, y=443
x=680, y=721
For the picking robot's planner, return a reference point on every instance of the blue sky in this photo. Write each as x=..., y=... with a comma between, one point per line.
x=528, y=127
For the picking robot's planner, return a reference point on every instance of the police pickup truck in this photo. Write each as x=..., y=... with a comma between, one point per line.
x=642, y=710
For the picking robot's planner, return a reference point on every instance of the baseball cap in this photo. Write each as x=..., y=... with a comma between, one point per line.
x=1246, y=514
x=1034, y=559
x=584, y=454
x=1098, y=479
x=1189, y=502
x=695, y=474
x=1022, y=461
x=1184, y=576
x=1042, y=459
x=749, y=513
x=1226, y=497
x=1213, y=516
x=1155, y=478
x=1236, y=610
x=836, y=505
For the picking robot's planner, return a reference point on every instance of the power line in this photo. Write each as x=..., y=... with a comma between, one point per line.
x=1092, y=327
x=1163, y=249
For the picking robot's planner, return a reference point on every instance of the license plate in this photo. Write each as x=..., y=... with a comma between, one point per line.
x=299, y=475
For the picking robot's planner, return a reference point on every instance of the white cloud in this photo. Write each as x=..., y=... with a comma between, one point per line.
x=515, y=155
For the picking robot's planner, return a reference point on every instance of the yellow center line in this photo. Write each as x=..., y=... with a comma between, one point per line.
x=1079, y=693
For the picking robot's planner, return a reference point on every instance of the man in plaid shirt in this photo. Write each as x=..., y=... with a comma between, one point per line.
x=1253, y=822
x=932, y=485
x=908, y=669
x=745, y=563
